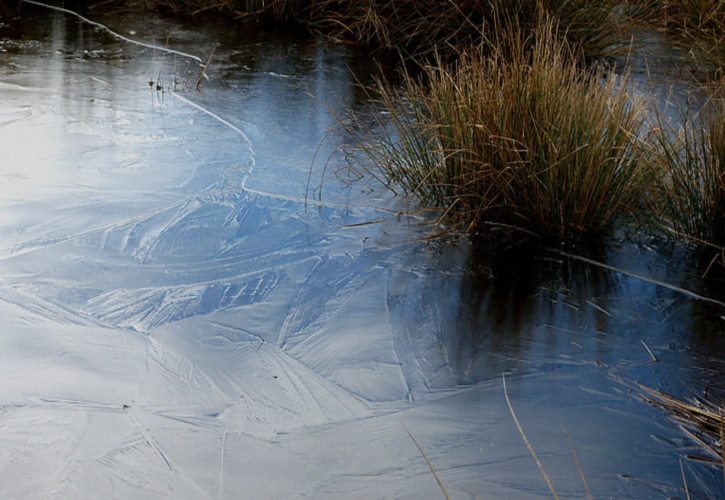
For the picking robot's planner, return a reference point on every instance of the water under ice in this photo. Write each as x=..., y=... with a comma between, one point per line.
x=178, y=322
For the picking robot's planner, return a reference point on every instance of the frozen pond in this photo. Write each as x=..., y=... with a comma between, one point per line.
x=176, y=320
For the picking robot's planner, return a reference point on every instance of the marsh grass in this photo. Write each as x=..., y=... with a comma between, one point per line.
x=688, y=164
x=421, y=27
x=700, y=22
x=418, y=28
x=517, y=136
x=693, y=15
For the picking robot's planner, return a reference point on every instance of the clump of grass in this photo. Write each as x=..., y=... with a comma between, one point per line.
x=700, y=15
x=689, y=165
x=701, y=22
x=515, y=136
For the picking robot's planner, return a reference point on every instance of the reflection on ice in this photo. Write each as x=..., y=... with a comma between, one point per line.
x=178, y=322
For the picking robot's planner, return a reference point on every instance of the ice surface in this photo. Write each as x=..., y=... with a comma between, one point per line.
x=178, y=322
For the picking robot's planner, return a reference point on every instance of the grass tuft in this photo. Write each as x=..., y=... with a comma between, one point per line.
x=689, y=166
x=517, y=135
x=700, y=22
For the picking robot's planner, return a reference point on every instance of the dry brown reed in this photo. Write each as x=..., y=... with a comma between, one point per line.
x=701, y=23
x=517, y=134
x=688, y=163
x=703, y=421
